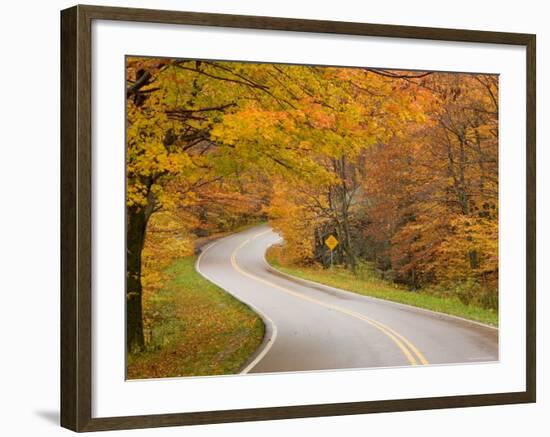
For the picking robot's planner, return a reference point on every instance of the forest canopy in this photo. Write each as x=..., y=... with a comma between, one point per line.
x=400, y=166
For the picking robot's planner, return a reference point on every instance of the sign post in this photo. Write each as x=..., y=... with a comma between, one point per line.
x=331, y=243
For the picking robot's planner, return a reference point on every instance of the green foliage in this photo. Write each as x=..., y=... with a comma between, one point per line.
x=471, y=292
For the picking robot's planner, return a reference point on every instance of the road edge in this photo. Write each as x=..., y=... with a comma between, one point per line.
x=307, y=282
x=270, y=329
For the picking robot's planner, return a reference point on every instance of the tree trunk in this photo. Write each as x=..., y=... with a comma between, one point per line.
x=347, y=244
x=135, y=239
x=473, y=256
x=345, y=202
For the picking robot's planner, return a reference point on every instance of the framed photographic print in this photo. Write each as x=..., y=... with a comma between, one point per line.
x=267, y=218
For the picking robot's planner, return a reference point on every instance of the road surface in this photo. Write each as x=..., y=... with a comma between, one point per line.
x=314, y=327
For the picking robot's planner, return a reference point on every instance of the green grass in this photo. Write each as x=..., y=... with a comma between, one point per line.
x=196, y=328
x=366, y=282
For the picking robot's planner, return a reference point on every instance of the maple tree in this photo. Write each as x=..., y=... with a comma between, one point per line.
x=401, y=166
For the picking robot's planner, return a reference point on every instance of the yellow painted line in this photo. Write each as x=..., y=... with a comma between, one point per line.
x=259, y=234
x=419, y=354
x=270, y=341
x=397, y=338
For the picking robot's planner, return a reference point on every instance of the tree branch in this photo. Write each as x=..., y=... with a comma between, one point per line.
x=387, y=73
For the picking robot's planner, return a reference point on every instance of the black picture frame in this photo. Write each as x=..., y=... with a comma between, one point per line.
x=76, y=217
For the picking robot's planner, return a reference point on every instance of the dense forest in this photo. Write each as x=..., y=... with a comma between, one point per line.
x=400, y=166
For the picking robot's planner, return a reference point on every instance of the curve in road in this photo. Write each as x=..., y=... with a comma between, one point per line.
x=310, y=326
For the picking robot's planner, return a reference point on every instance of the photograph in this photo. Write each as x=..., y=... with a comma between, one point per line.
x=294, y=218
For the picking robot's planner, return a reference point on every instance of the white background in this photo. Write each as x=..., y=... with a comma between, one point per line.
x=29, y=228
x=112, y=396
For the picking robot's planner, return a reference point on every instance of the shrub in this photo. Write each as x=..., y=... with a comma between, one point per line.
x=471, y=292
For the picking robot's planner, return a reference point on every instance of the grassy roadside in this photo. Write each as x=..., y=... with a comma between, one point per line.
x=196, y=329
x=367, y=284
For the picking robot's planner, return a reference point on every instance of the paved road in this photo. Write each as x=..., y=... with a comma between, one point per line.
x=313, y=327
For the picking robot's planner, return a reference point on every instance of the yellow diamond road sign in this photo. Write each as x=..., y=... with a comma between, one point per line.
x=331, y=242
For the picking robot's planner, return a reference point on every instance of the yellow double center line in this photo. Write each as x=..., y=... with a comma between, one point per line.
x=411, y=352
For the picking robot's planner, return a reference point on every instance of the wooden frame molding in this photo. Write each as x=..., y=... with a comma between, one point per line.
x=76, y=217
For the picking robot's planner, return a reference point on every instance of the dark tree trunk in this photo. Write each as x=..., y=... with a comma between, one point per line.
x=346, y=194
x=351, y=261
x=473, y=256
x=135, y=238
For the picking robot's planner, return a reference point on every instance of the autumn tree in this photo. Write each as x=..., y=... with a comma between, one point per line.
x=180, y=115
x=171, y=109
x=360, y=109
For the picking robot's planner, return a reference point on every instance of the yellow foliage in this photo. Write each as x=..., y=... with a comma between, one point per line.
x=167, y=238
x=293, y=218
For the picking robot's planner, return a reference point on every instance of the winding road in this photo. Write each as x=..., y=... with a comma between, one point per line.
x=310, y=326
